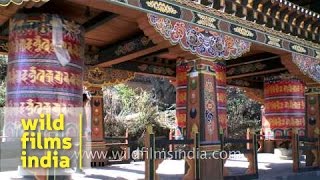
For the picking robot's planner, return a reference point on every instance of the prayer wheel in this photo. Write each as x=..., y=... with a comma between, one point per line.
x=45, y=69
x=284, y=106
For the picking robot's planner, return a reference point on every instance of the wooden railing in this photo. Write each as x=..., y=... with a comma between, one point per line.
x=121, y=142
x=302, y=144
x=250, y=152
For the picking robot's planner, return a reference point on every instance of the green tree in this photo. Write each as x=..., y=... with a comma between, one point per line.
x=243, y=113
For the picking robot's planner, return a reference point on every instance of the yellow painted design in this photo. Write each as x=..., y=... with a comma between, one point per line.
x=284, y=89
x=161, y=7
x=243, y=31
x=299, y=49
x=33, y=75
x=281, y=105
x=19, y=2
x=31, y=107
x=206, y=21
x=98, y=77
x=273, y=41
x=42, y=45
x=318, y=54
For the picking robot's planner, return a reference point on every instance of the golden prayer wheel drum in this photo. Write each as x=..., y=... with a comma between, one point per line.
x=45, y=69
x=284, y=107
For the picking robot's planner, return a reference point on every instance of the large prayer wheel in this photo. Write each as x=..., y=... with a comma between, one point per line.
x=284, y=107
x=45, y=68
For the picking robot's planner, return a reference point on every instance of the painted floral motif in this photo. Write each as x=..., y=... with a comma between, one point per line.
x=299, y=49
x=243, y=31
x=206, y=21
x=309, y=66
x=273, y=41
x=199, y=41
x=18, y=2
x=161, y=7
x=95, y=76
x=210, y=107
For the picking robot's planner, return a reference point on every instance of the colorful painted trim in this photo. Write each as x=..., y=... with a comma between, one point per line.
x=215, y=20
x=17, y=2
x=309, y=66
x=99, y=77
x=204, y=43
x=4, y=47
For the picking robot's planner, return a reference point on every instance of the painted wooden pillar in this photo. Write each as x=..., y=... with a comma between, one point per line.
x=181, y=93
x=221, y=86
x=312, y=122
x=284, y=106
x=97, y=143
x=202, y=114
x=97, y=115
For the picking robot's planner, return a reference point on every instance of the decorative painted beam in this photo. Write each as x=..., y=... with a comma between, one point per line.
x=257, y=67
x=99, y=77
x=164, y=69
x=207, y=18
x=98, y=20
x=114, y=51
x=244, y=83
x=18, y=2
x=207, y=44
x=308, y=66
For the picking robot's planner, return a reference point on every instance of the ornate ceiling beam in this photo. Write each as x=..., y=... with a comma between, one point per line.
x=212, y=45
x=123, y=48
x=149, y=68
x=99, y=20
x=214, y=20
x=99, y=77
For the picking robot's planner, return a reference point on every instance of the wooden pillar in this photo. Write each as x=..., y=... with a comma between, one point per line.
x=181, y=93
x=97, y=125
x=312, y=122
x=221, y=85
x=97, y=115
x=202, y=115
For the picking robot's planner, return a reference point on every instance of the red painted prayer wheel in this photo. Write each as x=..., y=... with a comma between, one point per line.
x=284, y=107
x=45, y=68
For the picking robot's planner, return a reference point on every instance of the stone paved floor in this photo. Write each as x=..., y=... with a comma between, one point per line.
x=270, y=167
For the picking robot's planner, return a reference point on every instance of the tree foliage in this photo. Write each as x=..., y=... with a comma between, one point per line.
x=133, y=109
x=243, y=113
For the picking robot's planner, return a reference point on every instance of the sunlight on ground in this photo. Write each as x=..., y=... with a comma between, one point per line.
x=269, y=166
